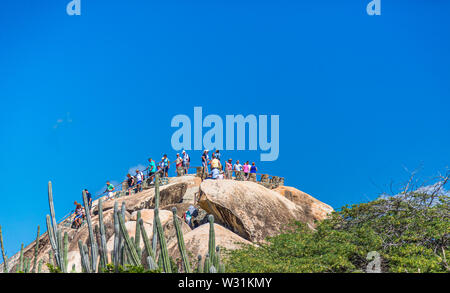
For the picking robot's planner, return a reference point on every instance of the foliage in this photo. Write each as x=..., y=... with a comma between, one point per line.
x=53, y=269
x=110, y=268
x=410, y=231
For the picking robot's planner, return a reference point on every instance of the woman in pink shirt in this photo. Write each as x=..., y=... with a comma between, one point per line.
x=246, y=169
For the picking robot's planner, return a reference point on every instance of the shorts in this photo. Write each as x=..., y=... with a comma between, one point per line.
x=110, y=194
x=139, y=182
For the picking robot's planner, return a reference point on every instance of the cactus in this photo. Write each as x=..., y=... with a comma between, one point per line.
x=39, y=266
x=212, y=238
x=199, y=264
x=162, y=243
x=151, y=263
x=103, y=249
x=20, y=267
x=180, y=240
x=50, y=257
x=36, y=249
x=93, y=242
x=155, y=236
x=5, y=259
x=137, y=236
x=207, y=264
x=130, y=245
x=221, y=268
x=27, y=265
x=66, y=251
x=116, y=237
x=84, y=257
x=216, y=259
x=52, y=228
x=147, y=245
x=212, y=270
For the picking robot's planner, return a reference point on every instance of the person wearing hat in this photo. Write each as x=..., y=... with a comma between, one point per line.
x=229, y=169
x=179, y=165
x=186, y=162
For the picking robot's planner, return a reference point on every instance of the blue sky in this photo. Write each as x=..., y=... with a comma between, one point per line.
x=85, y=98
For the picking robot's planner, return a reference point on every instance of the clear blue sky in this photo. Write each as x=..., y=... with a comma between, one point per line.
x=359, y=97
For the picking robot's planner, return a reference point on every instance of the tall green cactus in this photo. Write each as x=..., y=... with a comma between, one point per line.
x=92, y=240
x=129, y=244
x=199, y=264
x=52, y=229
x=36, y=249
x=216, y=260
x=39, y=266
x=20, y=268
x=66, y=251
x=207, y=264
x=103, y=248
x=180, y=240
x=86, y=267
x=50, y=257
x=212, y=239
x=116, y=249
x=155, y=234
x=162, y=243
x=5, y=259
x=147, y=245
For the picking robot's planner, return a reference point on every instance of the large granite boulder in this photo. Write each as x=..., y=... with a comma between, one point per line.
x=196, y=242
x=249, y=209
x=171, y=193
x=313, y=208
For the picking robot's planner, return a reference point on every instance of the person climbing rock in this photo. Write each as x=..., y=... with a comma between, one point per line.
x=109, y=190
x=139, y=178
x=131, y=182
x=151, y=169
x=88, y=198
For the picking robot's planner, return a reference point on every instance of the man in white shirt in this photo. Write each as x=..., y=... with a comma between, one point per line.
x=139, y=177
x=237, y=166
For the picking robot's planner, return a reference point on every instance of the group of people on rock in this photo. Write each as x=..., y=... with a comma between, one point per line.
x=217, y=170
x=212, y=167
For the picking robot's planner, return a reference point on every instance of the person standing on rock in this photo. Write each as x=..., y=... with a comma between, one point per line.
x=165, y=163
x=253, y=170
x=229, y=169
x=139, y=177
x=179, y=165
x=89, y=199
x=109, y=190
x=215, y=168
x=205, y=161
x=186, y=162
x=246, y=169
x=237, y=166
x=131, y=182
x=151, y=169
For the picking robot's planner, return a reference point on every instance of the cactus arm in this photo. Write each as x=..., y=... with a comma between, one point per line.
x=180, y=240
x=103, y=250
x=53, y=226
x=39, y=266
x=199, y=264
x=5, y=259
x=207, y=264
x=36, y=249
x=93, y=242
x=66, y=251
x=130, y=246
x=212, y=238
x=162, y=243
x=151, y=263
x=21, y=268
x=147, y=244
x=155, y=236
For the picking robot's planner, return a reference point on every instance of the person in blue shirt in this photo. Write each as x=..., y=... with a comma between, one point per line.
x=165, y=165
x=151, y=169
